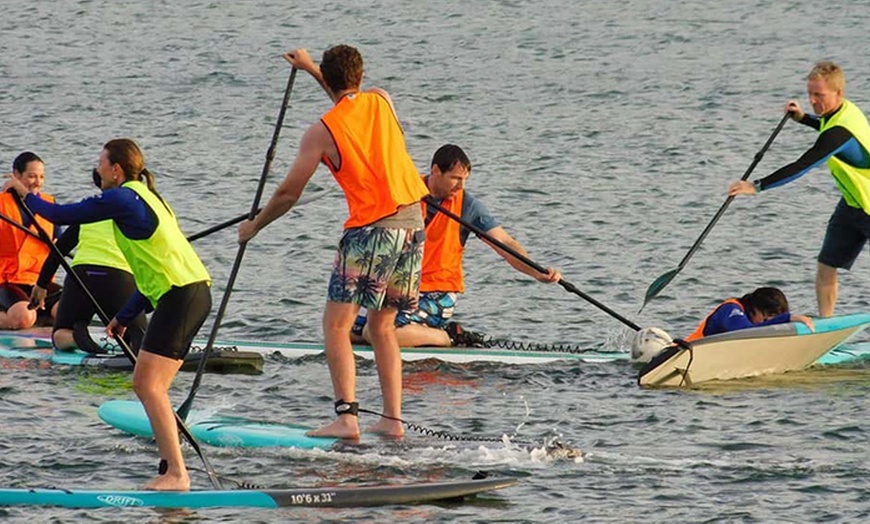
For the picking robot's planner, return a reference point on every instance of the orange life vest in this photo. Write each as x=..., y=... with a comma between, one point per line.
x=21, y=255
x=699, y=333
x=442, y=255
x=376, y=172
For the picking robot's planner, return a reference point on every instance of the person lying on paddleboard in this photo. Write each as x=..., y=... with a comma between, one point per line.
x=22, y=254
x=763, y=307
x=442, y=279
x=844, y=143
x=101, y=265
x=169, y=275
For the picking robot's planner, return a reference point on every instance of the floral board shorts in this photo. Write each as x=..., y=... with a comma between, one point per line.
x=377, y=268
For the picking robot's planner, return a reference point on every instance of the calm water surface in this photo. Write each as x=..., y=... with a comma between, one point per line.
x=602, y=135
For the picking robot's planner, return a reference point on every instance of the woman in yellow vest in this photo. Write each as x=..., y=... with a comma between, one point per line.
x=21, y=254
x=170, y=278
x=101, y=265
x=844, y=144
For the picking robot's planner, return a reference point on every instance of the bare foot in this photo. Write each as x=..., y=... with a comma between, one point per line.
x=345, y=426
x=168, y=482
x=387, y=428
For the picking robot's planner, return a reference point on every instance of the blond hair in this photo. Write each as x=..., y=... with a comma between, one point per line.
x=830, y=73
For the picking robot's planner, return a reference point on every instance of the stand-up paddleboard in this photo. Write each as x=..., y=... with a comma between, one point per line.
x=334, y=497
x=129, y=416
x=751, y=352
x=224, y=359
x=460, y=355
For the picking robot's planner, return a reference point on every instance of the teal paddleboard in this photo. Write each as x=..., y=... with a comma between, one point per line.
x=129, y=416
x=328, y=497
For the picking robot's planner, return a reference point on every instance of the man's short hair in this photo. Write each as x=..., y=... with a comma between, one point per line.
x=830, y=73
x=448, y=156
x=342, y=68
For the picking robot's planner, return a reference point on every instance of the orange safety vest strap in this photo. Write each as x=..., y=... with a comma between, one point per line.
x=699, y=332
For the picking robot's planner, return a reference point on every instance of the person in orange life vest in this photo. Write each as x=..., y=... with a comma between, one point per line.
x=21, y=254
x=763, y=307
x=377, y=264
x=429, y=324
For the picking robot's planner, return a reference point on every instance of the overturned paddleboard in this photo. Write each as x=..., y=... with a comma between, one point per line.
x=331, y=497
x=129, y=416
x=752, y=352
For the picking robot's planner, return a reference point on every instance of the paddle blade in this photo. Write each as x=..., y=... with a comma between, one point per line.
x=658, y=285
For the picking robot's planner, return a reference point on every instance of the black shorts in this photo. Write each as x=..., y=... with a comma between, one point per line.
x=846, y=236
x=180, y=313
x=11, y=294
x=111, y=287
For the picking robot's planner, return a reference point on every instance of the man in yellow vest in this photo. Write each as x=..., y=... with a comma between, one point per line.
x=377, y=264
x=844, y=143
x=22, y=254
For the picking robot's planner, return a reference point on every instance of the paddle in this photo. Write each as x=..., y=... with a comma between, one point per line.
x=562, y=282
x=270, y=155
x=213, y=477
x=659, y=284
x=236, y=220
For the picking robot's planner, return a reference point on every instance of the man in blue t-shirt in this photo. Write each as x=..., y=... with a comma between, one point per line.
x=442, y=280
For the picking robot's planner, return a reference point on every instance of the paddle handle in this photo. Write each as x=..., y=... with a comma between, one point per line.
x=529, y=262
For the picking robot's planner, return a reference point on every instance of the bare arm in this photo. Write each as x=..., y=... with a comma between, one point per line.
x=311, y=150
x=498, y=233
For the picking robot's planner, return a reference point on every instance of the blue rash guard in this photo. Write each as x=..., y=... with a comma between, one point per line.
x=130, y=213
x=731, y=317
x=836, y=141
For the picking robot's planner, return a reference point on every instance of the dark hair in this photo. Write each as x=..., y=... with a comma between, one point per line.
x=126, y=153
x=19, y=165
x=448, y=156
x=342, y=68
x=765, y=300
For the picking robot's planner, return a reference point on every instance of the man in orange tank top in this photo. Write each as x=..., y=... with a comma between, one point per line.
x=22, y=254
x=377, y=264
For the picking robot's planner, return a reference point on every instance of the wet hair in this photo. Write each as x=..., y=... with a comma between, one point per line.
x=448, y=156
x=19, y=165
x=830, y=73
x=342, y=68
x=126, y=153
x=768, y=301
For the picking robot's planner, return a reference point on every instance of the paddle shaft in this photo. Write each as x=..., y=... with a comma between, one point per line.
x=728, y=200
x=213, y=477
x=13, y=223
x=531, y=263
x=245, y=216
x=270, y=155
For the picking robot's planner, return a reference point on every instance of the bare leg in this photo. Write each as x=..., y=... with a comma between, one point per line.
x=63, y=339
x=826, y=289
x=151, y=380
x=416, y=335
x=18, y=316
x=388, y=358
x=338, y=319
